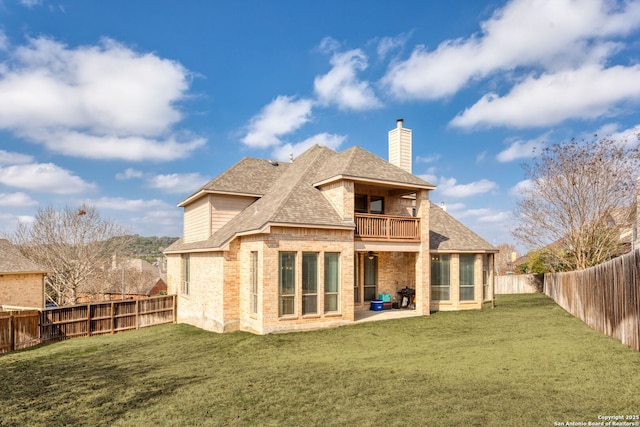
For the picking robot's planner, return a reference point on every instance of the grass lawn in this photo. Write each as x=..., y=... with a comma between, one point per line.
x=526, y=362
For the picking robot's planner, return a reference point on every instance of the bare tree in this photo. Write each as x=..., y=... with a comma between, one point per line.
x=75, y=244
x=574, y=188
x=505, y=258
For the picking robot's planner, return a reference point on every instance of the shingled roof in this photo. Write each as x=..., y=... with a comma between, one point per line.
x=13, y=262
x=288, y=194
x=360, y=165
x=447, y=234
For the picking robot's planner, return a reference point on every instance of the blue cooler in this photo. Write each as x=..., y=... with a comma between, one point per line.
x=376, y=305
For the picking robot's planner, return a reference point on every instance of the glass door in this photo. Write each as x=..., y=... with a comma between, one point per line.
x=370, y=277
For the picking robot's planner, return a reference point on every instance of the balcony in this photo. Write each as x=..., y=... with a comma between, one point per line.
x=387, y=228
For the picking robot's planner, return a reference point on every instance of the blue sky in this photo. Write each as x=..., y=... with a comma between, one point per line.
x=132, y=105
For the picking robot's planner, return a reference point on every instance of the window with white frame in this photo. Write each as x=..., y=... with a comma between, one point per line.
x=309, y=283
x=186, y=272
x=331, y=282
x=467, y=277
x=254, y=282
x=287, y=283
x=440, y=282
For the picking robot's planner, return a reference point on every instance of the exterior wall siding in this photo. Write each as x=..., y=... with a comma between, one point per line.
x=22, y=290
x=196, y=220
x=224, y=208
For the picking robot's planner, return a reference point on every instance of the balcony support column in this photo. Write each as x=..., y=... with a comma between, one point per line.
x=423, y=258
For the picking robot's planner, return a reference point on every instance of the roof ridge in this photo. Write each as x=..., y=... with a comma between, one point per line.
x=317, y=151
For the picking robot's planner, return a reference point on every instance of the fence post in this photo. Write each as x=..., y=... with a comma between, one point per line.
x=175, y=308
x=12, y=334
x=89, y=320
x=112, y=320
x=137, y=314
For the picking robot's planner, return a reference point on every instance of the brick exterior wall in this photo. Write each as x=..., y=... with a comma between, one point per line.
x=22, y=290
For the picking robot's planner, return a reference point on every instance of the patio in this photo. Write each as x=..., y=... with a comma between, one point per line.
x=366, y=315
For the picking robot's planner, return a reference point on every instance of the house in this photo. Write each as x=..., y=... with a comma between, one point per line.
x=271, y=247
x=132, y=278
x=21, y=280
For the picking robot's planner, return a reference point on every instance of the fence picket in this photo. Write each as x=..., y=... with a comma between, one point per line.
x=606, y=297
x=22, y=329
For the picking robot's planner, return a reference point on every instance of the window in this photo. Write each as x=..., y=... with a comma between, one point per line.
x=361, y=203
x=376, y=205
x=440, y=286
x=254, y=282
x=331, y=281
x=287, y=283
x=467, y=277
x=309, y=283
x=369, y=204
x=185, y=274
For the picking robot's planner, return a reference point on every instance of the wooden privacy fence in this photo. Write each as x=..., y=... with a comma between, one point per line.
x=606, y=297
x=21, y=329
x=518, y=284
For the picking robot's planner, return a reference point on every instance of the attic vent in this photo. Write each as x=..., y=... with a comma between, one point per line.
x=273, y=162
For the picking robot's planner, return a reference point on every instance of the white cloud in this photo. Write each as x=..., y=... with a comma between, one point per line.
x=448, y=187
x=386, y=45
x=129, y=173
x=128, y=205
x=30, y=3
x=629, y=136
x=132, y=148
x=79, y=100
x=9, y=158
x=19, y=199
x=341, y=86
x=428, y=159
x=177, y=182
x=520, y=188
x=332, y=141
x=44, y=177
x=586, y=93
x=4, y=41
x=522, y=149
x=282, y=116
x=552, y=34
x=495, y=217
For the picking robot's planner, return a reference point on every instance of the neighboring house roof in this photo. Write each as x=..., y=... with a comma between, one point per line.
x=13, y=262
x=447, y=234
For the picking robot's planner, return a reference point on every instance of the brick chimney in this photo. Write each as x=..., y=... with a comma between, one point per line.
x=400, y=146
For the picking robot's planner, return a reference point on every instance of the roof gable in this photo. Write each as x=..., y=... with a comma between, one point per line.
x=249, y=176
x=359, y=164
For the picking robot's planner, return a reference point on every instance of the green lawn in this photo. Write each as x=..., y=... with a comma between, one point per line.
x=526, y=362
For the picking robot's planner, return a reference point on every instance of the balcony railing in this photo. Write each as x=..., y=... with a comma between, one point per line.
x=386, y=227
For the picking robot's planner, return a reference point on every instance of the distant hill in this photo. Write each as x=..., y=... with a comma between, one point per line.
x=149, y=248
